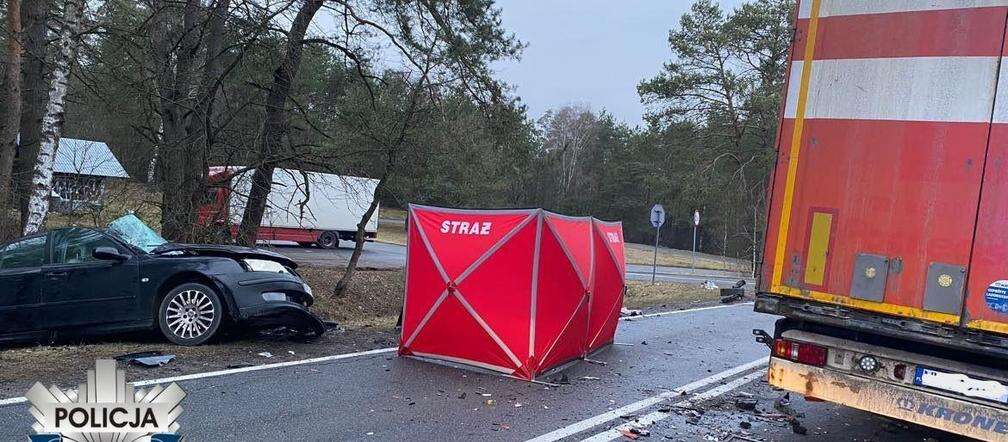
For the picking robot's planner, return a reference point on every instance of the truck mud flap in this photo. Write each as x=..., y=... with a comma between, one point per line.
x=957, y=416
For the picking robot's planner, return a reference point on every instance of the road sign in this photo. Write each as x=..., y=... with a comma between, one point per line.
x=657, y=216
x=657, y=220
x=696, y=222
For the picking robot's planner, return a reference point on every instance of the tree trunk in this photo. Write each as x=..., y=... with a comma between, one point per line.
x=174, y=47
x=275, y=123
x=35, y=94
x=344, y=282
x=12, y=118
x=52, y=123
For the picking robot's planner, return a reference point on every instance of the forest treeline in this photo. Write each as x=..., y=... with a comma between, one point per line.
x=399, y=90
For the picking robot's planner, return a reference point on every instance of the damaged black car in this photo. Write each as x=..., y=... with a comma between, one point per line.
x=78, y=280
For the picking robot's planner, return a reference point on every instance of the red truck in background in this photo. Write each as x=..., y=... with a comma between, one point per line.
x=887, y=235
x=303, y=207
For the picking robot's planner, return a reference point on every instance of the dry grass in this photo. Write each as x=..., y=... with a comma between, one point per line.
x=392, y=213
x=391, y=233
x=374, y=298
x=641, y=295
x=644, y=254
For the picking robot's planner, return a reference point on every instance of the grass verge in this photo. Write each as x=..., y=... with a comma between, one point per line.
x=644, y=255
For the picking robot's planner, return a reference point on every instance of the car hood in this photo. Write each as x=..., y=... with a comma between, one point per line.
x=236, y=252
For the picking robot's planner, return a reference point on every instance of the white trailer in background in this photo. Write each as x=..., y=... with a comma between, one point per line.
x=303, y=207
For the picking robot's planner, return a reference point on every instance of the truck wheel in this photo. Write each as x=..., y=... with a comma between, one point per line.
x=190, y=314
x=328, y=240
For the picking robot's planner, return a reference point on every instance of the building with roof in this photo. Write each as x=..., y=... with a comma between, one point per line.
x=81, y=172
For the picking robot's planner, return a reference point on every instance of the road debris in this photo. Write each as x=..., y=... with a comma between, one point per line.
x=747, y=404
x=152, y=361
x=140, y=354
x=589, y=378
x=265, y=354
x=561, y=380
x=628, y=312
x=708, y=285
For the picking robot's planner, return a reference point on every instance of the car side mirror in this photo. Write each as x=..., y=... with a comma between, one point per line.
x=108, y=253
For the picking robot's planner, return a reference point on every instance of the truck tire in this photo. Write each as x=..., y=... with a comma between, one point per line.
x=328, y=240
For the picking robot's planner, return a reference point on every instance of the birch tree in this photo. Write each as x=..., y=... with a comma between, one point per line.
x=52, y=122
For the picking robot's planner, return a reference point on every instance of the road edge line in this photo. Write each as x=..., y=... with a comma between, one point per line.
x=218, y=373
x=591, y=422
x=658, y=416
x=673, y=312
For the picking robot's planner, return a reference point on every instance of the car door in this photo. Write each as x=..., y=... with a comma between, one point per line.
x=21, y=285
x=82, y=290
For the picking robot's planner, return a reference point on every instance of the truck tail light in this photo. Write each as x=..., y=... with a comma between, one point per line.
x=802, y=352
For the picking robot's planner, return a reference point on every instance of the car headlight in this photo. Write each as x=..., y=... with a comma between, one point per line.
x=274, y=296
x=264, y=265
x=307, y=288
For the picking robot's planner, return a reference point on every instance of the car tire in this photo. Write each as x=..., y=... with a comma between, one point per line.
x=328, y=240
x=190, y=314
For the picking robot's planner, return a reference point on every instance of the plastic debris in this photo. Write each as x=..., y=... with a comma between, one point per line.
x=140, y=354
x=152, y=361
x=709, y=285
x=266, y=354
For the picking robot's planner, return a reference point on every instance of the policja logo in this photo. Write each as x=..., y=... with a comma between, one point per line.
x=105, y=408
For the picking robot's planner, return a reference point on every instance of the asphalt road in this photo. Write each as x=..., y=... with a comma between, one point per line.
x=383, y=397
x=375, y=255
x=382, y=255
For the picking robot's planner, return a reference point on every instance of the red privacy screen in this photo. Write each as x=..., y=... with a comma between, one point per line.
x=514, y=291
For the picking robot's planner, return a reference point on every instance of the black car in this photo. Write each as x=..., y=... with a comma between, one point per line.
x=80, y=280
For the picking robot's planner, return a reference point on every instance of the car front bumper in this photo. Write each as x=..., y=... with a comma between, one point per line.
x=250, y=308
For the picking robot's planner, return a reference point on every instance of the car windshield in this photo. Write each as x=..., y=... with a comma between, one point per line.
x=129, y=228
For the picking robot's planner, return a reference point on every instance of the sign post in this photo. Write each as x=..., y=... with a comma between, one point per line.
x=657, y=220
x=696, y=223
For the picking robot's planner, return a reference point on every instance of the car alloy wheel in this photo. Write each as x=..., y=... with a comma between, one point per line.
x=190, y=314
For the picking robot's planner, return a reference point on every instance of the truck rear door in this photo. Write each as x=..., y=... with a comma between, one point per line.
x=881, y=154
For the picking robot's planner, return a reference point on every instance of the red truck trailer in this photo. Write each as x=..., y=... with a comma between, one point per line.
x=303, y=207
x=887, y=234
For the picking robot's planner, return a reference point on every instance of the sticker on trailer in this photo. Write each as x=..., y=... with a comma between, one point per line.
x=997, y=296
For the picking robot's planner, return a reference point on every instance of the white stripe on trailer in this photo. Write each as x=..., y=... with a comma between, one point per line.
x=944, y=89
x=830, y=8
x=657, y=416
x=594, y=421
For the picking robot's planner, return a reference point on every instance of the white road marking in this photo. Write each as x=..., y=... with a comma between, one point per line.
x=673, y=312
x=189, y=377
x=21, y=400
x=651, y=418
x=594, y=421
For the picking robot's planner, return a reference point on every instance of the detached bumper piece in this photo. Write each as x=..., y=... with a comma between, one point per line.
x=285, y=314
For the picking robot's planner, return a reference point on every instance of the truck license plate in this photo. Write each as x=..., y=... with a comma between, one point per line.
x=962, y=384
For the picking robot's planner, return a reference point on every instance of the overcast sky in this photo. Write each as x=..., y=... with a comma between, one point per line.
x=590, y=52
